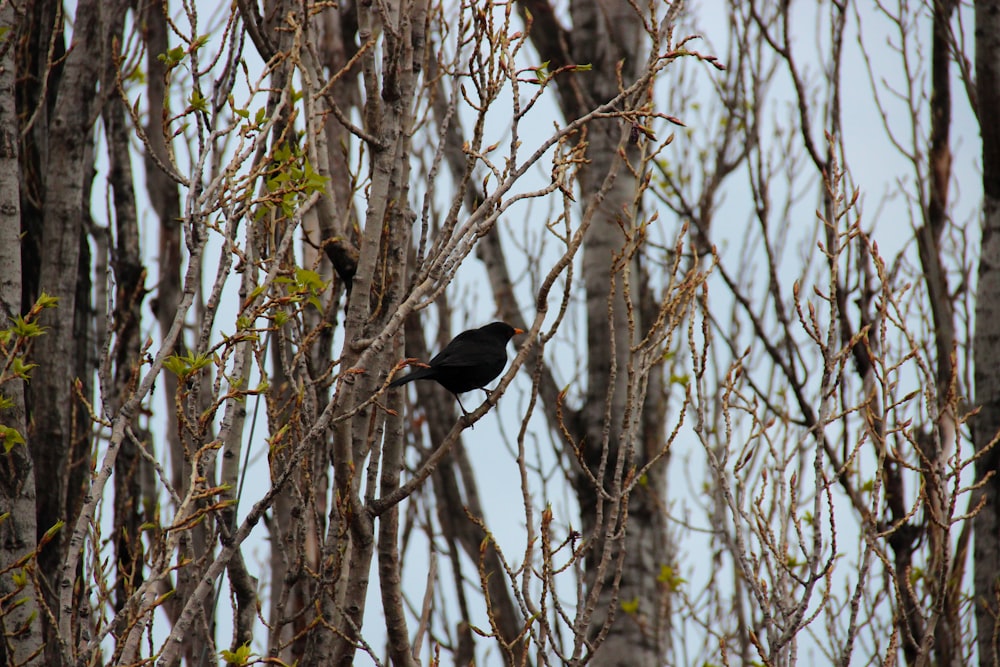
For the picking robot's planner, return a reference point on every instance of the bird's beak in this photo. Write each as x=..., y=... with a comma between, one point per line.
x=518, y=331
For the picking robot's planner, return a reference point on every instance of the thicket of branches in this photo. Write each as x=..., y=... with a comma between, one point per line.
x=752, y=418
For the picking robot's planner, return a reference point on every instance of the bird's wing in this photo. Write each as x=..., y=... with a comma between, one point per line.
x=463, y=350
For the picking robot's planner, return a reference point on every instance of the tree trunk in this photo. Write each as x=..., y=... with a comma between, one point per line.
x=130, y=501
x=19, y=615
x=986, y=341
x=52, y=402
x=627, y=530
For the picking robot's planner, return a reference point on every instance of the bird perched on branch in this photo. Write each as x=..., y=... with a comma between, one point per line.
x=471, y=360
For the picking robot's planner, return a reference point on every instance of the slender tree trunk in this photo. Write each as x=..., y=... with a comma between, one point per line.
x=19, y=615
x=130, y=500
x=165, y=201
x=627, y=530
x=986, y=341
x=55, y=428
x=940, y=445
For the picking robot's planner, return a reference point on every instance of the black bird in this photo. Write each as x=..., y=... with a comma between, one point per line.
x=471, y=360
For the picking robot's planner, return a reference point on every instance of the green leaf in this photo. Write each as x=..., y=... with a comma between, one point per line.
x=631, y=607
x=197, y=101
x=163, y=598
x=309, y=279
x=182, y=366
x=52, y=532
x=20, y=369
x=670, y=578
x=276, y=439
x=175, y=365
x=314, y=181
x=173, y=57
x=47, y=301
x=24, y=329
x=136, y=76
x=10, y=437
x=256, y=292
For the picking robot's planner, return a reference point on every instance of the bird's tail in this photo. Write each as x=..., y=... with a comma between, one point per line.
x=415, y=375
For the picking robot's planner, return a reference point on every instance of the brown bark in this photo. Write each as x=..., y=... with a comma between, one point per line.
x=165, y=200
x=19, y=615
x=986, y=341
x=390, y=564
x=54, y=420
x=291, y=557
x=626, y=531
x=40, y=63
x=130, y=276
x=376, y=291
x=185, y=432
